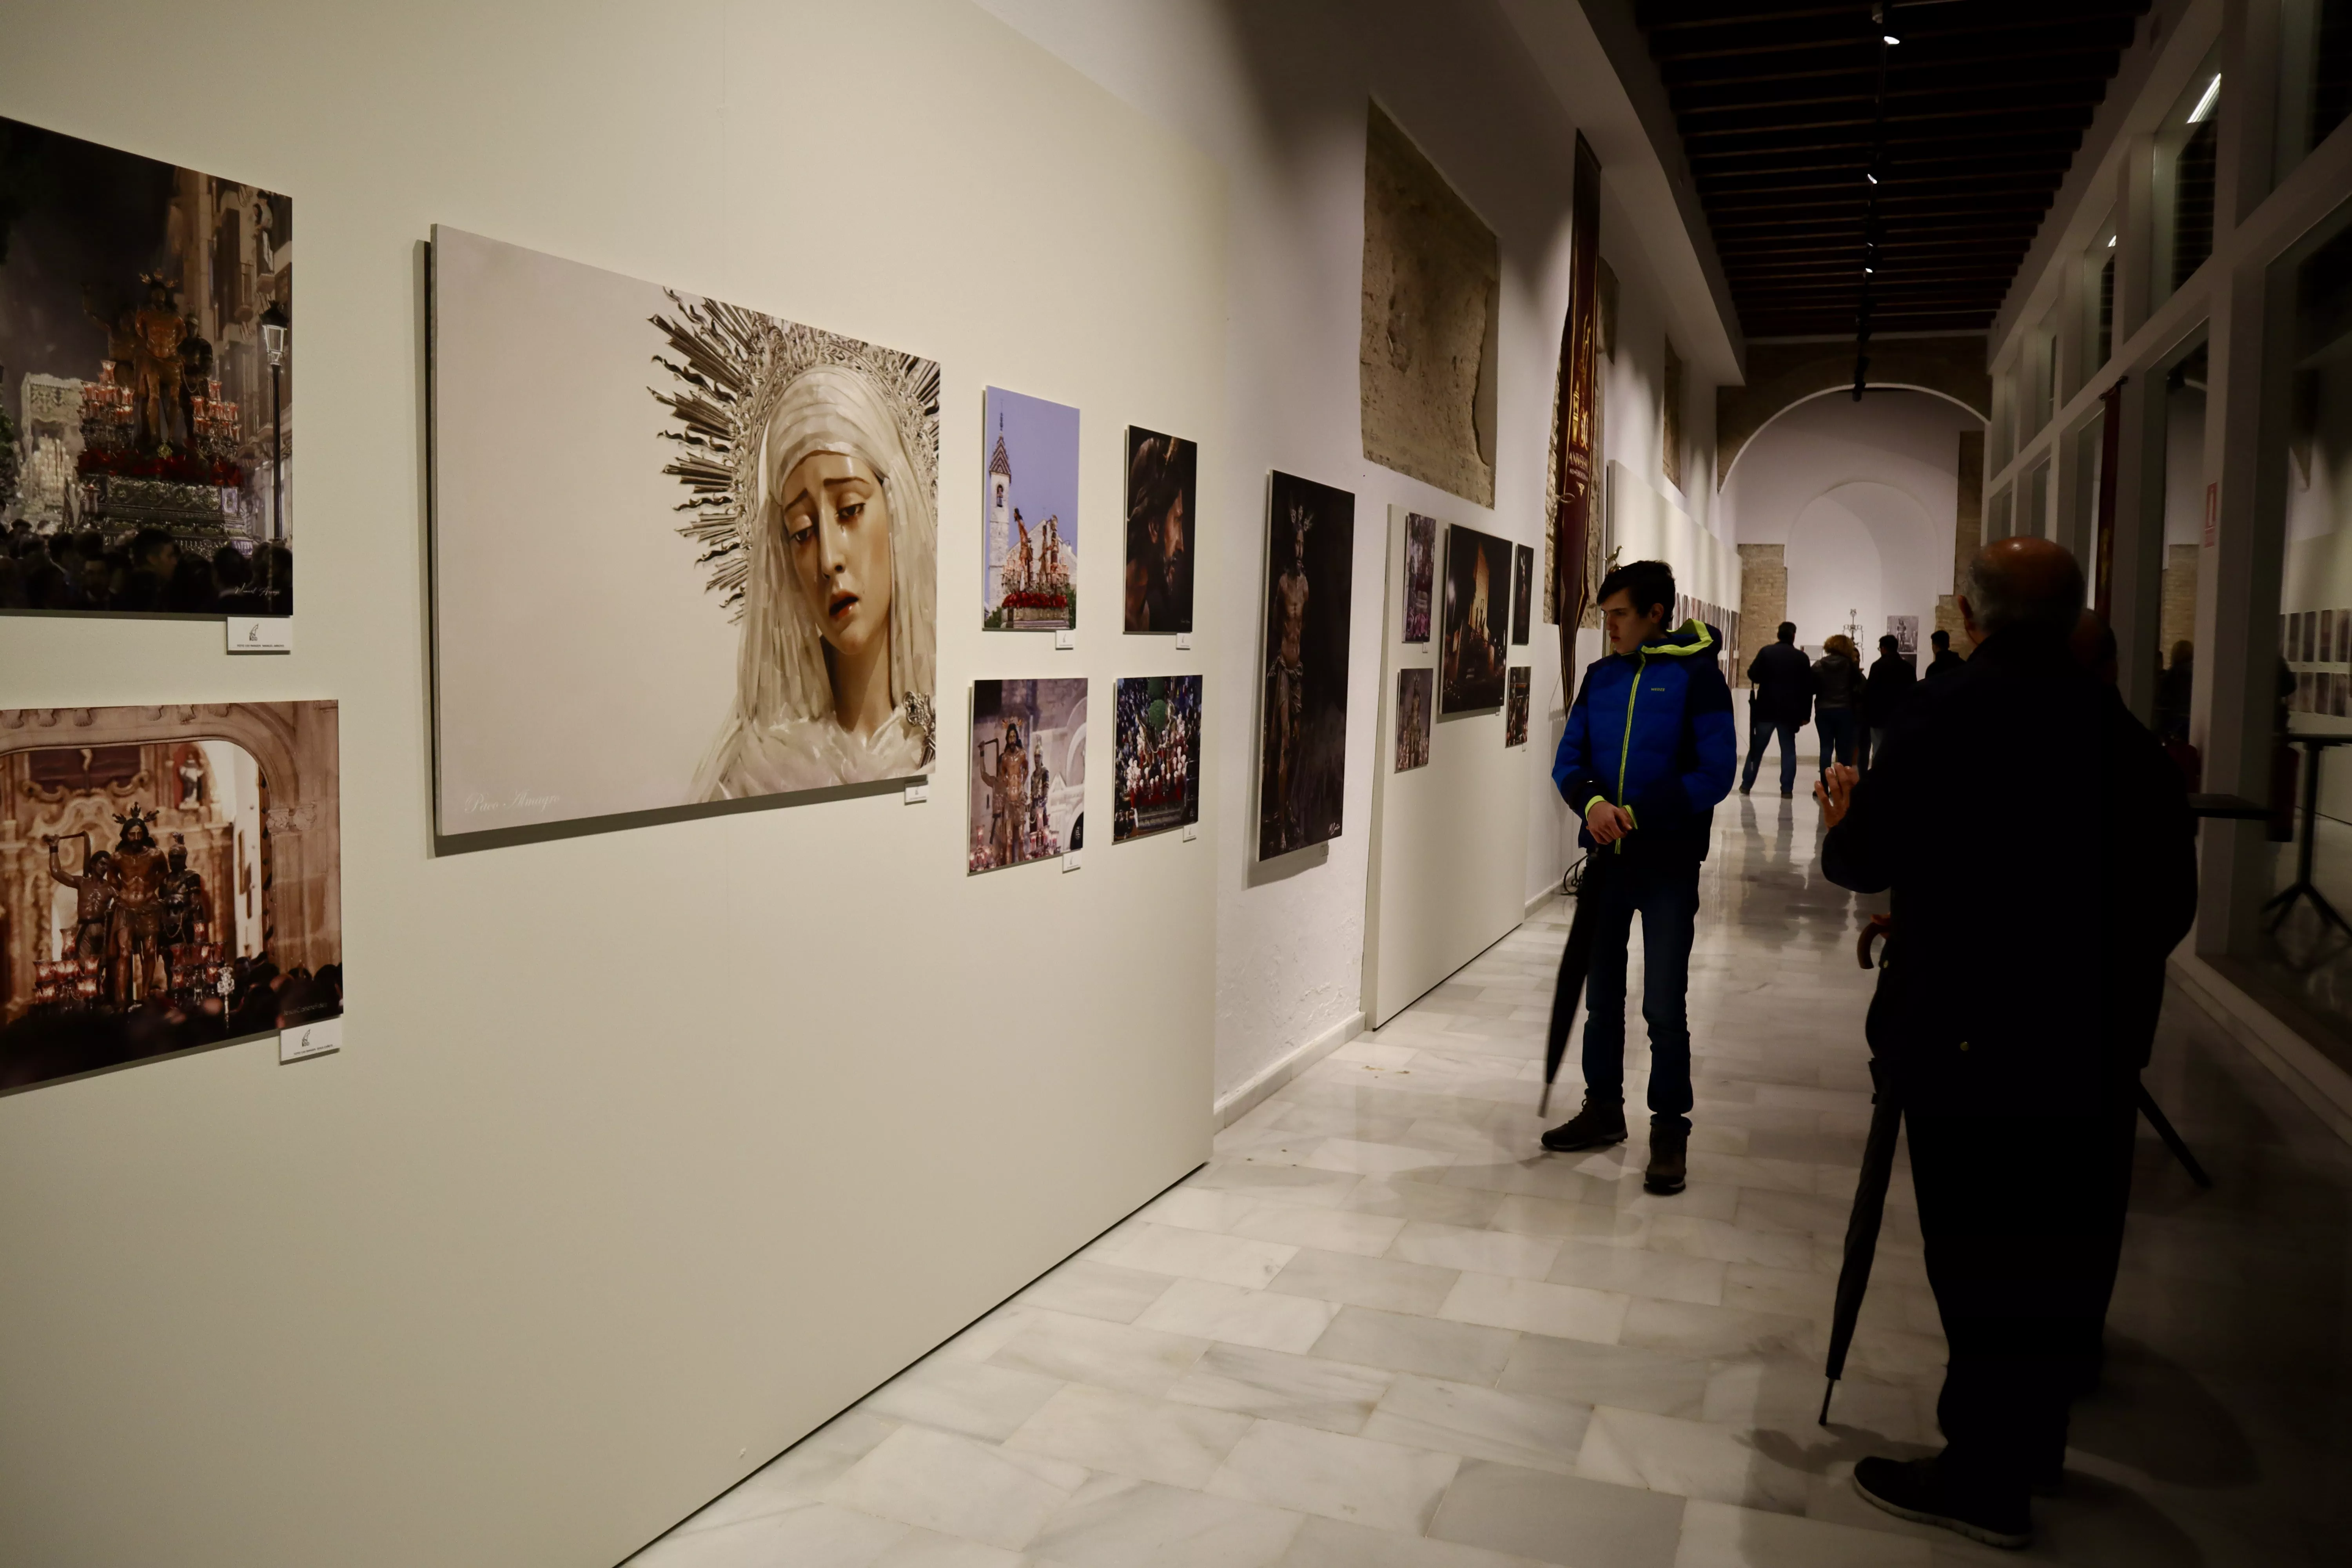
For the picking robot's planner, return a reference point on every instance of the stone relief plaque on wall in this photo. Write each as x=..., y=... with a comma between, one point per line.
x=1430, y=274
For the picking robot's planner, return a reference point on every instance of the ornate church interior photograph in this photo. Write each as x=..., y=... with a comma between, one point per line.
x=780, y=638
x=146, y=383
x=170, y=878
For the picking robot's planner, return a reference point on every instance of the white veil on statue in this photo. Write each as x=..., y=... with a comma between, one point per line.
x=762, y=395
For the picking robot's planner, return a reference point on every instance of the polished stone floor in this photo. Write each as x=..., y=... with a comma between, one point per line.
x=1380, y=1330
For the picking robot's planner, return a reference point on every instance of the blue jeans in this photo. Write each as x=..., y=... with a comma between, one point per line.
x=1667, y=898
x=1836, y=728
x=1760, y=731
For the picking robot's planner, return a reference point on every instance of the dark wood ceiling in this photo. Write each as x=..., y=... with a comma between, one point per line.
x=1985, y=103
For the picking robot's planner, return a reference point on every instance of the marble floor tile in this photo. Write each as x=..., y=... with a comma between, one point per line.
x=1460, y=1353
x=1092, y=1290
x=1266, y=1318
x=799, y=1474
x=819, y=1534
x=1276, y=1183
x=1304, y=1391
x=1681, y=1327
x=1728, y=1243
x=991, y=1334
x=1637, y=1271
x=1533, y=1306
x=1189, y=1207
x=1114, y=1522
x=1583, y=1222
x=1388, y=1283
x=974, y=1398
x=1105, y=1355
x=1327, y=1230
x=1690, y=1458
x=1127, y=1435
x=1579, y=1372
x=1558, y=1519
x=1353, y=1479
x=1722, y=1535
x=1487, y=1251
x=928, y=1549
x=1480, y=1423
x=1164, y=1249
x=1406, y=1197
x=1797, y=1293
x=1328, y=1544
x=1808, y=1214
x=958, y=1487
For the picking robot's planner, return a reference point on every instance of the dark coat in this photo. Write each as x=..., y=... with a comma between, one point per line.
x=1783, y=679
x=2042, y=858
x=1890, y=686
x=1834, y=680
x=1942, y=667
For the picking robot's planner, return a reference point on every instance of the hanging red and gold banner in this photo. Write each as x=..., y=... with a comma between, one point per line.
x=1574, y=533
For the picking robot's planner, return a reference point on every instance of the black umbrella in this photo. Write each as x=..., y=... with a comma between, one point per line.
x=1878, y=1171
x=1574, y=960
x=1861, y=1225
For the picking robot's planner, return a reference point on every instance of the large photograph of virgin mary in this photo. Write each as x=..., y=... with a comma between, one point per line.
x=684, y=551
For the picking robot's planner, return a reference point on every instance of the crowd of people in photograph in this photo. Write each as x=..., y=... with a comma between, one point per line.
x=1155, y=759
x=61, y=1038
x=146, y=571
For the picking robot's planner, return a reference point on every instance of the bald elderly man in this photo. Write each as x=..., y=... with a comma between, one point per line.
x=2039, y=850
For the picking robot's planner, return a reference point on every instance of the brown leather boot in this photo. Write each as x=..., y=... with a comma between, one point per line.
x=1669, y=1149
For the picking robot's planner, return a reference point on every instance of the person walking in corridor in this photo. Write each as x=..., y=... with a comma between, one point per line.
x=1647, y=753
x=1783, y=680
x=2020, y=784
x=1837, y=681
x=1882, y=697
x=1946, y=664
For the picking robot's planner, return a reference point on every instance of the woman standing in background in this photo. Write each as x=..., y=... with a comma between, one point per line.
x=1837, y=676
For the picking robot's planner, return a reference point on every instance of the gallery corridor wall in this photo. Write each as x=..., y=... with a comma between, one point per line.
x=1493, y=95
x=647, y=1150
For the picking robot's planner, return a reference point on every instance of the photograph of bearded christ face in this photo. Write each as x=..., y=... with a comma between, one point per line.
x=1476, y=621
x=1162, y=476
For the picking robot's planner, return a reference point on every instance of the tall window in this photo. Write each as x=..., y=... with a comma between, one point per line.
x=2314, y=84
x=2185, y=168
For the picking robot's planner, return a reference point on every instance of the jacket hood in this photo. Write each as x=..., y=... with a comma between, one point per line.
x=1692, y=637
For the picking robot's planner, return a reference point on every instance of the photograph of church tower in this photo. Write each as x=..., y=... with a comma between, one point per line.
x=1030, y=527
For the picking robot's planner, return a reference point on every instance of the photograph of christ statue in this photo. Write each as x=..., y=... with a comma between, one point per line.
x=1523, y=587
x=694, y=561
x=1414, y=711
x=1162, y=479
x=1515, y=705
x=1029, y=514
x=1420, y=564
x=146, y=385
x=170, y=879
x=1028, y=770
x=1478, y=573
x=1303, y=712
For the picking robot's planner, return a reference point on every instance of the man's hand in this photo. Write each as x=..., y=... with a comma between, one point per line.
x=1834, y=791
x=1608, y=823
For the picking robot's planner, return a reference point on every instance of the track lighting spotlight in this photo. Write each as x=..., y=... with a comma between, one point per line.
x=1882, y=17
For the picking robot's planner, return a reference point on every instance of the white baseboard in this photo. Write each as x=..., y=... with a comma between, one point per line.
x=1540, y=901
x=2314, y=1079
x=1233, y=1107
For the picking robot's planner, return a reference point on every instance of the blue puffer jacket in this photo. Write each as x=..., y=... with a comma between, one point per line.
x=1651, y=732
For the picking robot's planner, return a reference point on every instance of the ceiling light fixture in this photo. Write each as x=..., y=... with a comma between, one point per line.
x=2205, y=103
x=1882, y=17
x=2111, y=242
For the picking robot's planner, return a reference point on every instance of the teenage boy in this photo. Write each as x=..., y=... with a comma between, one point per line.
x=1648, y=752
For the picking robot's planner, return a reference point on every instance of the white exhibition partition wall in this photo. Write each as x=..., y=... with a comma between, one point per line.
x=647, y=1151
x=1645, y=524
x=1449, y=853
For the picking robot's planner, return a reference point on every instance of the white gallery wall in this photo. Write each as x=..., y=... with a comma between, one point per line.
x=646, y=1151
x=1865, y=497
x=1276, y=95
